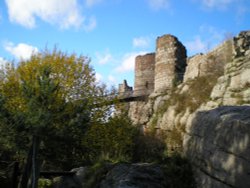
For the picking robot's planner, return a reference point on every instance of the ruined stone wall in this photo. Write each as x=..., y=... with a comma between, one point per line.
x=215, y=60
x=124, y=90
x=170, y=62
x=144, y=74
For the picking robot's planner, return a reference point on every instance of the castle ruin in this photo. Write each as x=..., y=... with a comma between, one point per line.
x=211, y=132
x=157, y=72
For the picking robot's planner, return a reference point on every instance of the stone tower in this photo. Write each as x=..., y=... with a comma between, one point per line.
x=124, y=90
x=144, y=74
x=170, y=63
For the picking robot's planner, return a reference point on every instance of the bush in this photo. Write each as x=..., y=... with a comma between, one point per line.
x=149, y=147
x=174, y=140
x=112, y=141
x=199, y=92
x=44, y=183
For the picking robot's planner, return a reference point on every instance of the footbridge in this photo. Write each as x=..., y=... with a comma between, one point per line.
x=124, y=97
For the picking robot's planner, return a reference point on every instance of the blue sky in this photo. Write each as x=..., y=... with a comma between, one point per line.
x=113, y=32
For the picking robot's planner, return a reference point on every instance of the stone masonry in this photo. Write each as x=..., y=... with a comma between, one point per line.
x=124, y=90
x=144, y=74
x=170, y=62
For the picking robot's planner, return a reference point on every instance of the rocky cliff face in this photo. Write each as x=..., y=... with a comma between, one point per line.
x=217, y=143
x=207, y=117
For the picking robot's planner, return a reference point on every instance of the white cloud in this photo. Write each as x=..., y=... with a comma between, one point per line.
x=112, y=80
x=158, y=4
x=104, y=58
x=3, y=62
x=141, y=42
x=219, y=4
x=90, y=25
x=21, y=50
x=214, y=35
x=1, y=17
x=90, y=3
x=64, y=13
x=196, y=45
x=128, y=62
x=98, y=77
x=208, y=37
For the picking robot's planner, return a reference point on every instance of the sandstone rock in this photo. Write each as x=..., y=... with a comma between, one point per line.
x=142, y=175
x=140, y=112
x=121, y=175
x=167, y=121
x=218, y=144
x=242, y=43
x=220, y=88
x=234, y=86
x=80, y=173
x=184, y=118
x=159, y=102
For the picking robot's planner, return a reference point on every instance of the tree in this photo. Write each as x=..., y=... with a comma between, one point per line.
x=51, y=99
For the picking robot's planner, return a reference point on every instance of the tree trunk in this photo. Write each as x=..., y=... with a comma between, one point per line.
x=27, y=169
x=35, y=161
x=32, y=165
x=15, y=175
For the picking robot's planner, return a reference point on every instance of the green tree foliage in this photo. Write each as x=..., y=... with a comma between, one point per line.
x=53, y=95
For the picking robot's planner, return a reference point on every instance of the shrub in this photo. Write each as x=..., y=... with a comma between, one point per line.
x=112, y=141
x=174, y=140
x=149, y=148
x=199, y=92
x=44, y=183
